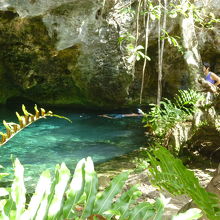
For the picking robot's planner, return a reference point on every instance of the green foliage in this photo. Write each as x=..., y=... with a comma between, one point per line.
x=173, y=40
x=62, y=198
x=201, y=17
x=24, y=121
x=58, y=199
x=169, y=173
x=153, y=10
x=187, y=100
x=134, y=52
x=162, y=118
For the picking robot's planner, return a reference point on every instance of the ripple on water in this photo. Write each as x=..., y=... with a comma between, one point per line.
x=45, y=143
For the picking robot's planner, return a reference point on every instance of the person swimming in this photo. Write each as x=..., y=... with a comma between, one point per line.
x=117, y=116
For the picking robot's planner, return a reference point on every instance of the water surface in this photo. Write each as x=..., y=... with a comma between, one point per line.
x=50, y=141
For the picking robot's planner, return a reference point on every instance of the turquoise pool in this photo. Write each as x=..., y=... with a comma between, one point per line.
x=47, y=142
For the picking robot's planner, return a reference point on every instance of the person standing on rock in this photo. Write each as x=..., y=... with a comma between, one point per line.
x=210, y=76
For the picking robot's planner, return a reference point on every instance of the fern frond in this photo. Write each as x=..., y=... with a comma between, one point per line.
x=24, y=121
x=162, y=118
x=187, y=99
x=170, y=173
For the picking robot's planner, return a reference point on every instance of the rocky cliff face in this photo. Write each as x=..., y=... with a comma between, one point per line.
x=66, y=52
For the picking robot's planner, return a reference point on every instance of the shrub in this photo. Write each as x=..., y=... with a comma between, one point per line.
x=162, y=118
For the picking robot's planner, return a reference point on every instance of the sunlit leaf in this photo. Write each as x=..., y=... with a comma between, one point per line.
x=39, y=197
x=103, y=203
x=91, y=187
x=75, y=190
x=190, y=214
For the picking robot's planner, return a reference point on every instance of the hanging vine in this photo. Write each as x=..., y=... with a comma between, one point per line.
x=145, y=51
x=161, y=43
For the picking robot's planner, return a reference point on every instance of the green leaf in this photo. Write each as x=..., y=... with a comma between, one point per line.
x=62, y=117
x=104, y=202
x=142, y=211
x=75, y=190
x=126, y=200
x=18, y=190
x=159, y=207
x=139, y=47
x=2, y=175
x=26, y=113
x=42, y=191
x=59, y=190
x=190, y=214
x=170, y=174
x=91, y=186
x=173, y=15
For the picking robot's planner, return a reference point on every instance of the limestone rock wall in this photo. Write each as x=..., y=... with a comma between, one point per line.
x=66, y=52
x=62, y=52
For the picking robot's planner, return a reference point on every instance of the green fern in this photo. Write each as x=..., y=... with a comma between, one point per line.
x=170, y=173
x=162, y=118
x=187, y=99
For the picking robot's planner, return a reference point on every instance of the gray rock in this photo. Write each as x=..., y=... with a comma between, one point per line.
x=67, y=53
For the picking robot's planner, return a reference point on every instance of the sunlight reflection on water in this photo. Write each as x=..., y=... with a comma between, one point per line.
x=47, y=142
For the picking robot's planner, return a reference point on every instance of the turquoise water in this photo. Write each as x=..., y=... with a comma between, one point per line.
x=50, y=141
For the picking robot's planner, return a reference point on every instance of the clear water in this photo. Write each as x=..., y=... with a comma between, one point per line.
x=47, y=142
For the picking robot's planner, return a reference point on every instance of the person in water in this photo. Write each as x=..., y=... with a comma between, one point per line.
x=115, y=116
x=210, y=76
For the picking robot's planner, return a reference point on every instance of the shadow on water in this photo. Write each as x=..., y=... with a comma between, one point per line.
x=47, y=142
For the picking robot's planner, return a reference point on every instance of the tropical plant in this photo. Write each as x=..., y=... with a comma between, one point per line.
x=172, y=40
x=170, y=173
x=58, y=198
x=24, y=121
x=62, y=198
x=187, y=100
x=162, y=118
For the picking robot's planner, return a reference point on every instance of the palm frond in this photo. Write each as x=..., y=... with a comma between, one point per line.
x=170, y=173
x=24, y=121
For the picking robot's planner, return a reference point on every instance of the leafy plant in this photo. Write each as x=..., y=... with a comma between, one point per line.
x=24, y=121
x=58, y=199
x=162, y=118
x=187, y=100
x=173, y=40
x=62, y=198
x=169, y=173
x=136, y=53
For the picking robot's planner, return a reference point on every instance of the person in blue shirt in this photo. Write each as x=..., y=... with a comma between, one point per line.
x=210, y=76
x=116, y=116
